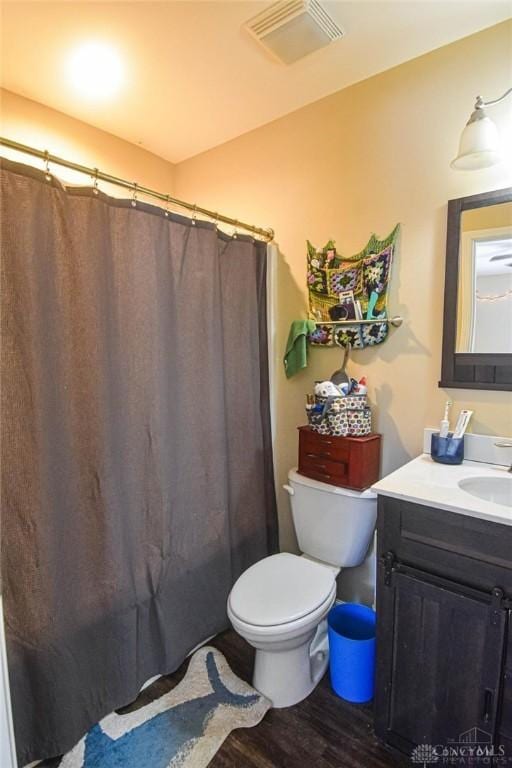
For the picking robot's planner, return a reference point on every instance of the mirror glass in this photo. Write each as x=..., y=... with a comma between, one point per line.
x=484, y=291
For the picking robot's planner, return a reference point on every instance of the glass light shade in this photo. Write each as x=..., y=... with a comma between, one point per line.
x=479, y=145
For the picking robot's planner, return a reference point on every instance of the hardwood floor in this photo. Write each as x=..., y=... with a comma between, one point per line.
x=321, y=732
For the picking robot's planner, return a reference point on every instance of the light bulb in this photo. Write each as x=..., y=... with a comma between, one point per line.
x=95, y=70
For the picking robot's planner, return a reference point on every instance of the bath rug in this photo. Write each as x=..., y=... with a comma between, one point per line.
x=182, y=729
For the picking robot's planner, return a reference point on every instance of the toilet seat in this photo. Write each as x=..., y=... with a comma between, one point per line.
x=282, y=631
x=280, y=591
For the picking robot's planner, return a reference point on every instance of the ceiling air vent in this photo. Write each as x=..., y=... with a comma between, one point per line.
x=291, y=29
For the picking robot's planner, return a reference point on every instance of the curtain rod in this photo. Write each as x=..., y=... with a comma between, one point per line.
x=136, y=188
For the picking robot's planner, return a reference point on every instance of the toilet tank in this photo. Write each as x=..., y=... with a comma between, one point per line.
x=334, y=525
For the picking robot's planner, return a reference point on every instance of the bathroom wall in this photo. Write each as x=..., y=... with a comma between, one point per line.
x=29, y=122
x=354, y=163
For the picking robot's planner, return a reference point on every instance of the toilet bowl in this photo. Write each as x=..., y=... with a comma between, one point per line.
x=280, y=604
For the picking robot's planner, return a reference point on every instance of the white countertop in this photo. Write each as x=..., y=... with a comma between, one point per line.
x=424, y=481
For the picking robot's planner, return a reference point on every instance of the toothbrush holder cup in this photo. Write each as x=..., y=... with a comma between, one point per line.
x=447, y=450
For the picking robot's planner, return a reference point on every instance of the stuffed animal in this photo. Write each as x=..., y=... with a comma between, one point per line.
x=327, y=389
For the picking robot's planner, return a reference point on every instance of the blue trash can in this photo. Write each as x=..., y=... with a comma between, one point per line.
x=352, y=651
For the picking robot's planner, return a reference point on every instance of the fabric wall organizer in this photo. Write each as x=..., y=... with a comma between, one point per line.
x=366, y=275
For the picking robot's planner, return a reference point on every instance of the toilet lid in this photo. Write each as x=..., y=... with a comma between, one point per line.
x=279, y=589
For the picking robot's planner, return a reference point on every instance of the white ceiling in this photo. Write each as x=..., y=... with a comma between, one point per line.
x=195, y=79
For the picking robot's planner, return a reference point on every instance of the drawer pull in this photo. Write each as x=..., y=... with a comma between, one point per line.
x=318, y=455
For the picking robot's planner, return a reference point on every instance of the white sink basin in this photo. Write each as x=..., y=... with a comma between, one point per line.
x=495, y=489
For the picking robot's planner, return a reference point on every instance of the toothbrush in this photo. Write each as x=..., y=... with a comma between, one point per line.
x=445, y=423
x=462, y=424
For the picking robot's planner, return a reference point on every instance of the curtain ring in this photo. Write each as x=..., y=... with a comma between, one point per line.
x=48, y=175
x=95, y=189
x=235, y=233
x=166, y=212
x=216, y=220
x=134, y=195
x=194, y=215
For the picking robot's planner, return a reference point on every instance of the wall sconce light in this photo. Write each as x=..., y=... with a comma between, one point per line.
x=479, y=145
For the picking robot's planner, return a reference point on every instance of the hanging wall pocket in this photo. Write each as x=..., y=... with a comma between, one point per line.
x=348, y=295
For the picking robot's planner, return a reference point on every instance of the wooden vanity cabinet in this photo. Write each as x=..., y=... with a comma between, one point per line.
x=505, y=727
x=444, y=632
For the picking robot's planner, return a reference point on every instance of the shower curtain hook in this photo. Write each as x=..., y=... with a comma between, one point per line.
x=194, y=215
x=235, y=233
x=95, y=189
x=48, y=175
x=134, y=195
x=166, y=212
x=216, y=220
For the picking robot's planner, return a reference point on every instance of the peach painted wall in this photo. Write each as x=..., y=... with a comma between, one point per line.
x=354, y=163
x=30, y=122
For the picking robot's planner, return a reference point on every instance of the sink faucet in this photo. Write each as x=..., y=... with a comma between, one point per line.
x=504, y=444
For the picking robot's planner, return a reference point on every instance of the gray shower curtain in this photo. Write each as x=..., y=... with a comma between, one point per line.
x=136, y=455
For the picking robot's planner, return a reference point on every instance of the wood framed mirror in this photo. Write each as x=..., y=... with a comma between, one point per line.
x=477, y=322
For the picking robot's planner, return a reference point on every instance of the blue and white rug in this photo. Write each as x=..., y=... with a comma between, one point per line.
x=182, y=729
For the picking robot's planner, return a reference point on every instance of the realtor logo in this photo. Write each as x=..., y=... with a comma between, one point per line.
x=475, y=736
x=472, y=748
x=424, y=755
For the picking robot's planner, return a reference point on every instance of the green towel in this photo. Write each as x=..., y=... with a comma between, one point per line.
x=296, y=355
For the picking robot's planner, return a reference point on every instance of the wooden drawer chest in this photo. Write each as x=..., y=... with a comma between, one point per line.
x=349, y=462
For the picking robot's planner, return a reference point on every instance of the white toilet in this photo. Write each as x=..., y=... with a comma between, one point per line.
x=280, y=604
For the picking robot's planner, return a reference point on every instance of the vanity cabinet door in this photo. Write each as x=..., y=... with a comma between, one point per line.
x=505, y=727
x=440, y=654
